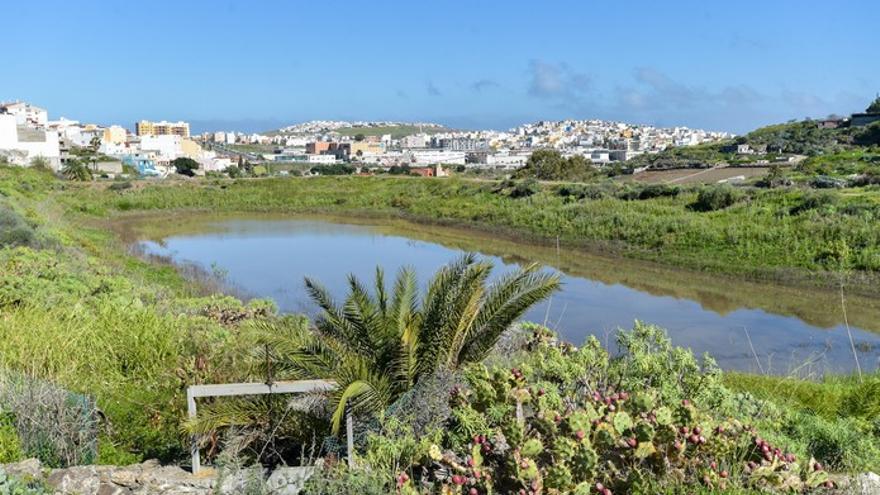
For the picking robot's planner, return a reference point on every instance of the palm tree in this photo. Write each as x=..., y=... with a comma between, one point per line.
x=76, y=170
x=378, y=346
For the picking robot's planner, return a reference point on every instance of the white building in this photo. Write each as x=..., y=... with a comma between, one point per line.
x=210, y=162
x=434, y=156
x=20, y=144
x=414, y=141
x=322, y=159
x=26, y=114
x=219, y=137
x=167, y=146
x=507, y=161
x=600, y=156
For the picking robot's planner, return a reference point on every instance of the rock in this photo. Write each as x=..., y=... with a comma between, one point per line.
x=865, y=484
x=289, y=480
x=82, y=480
x=28, y=469
x=126, y=478
x=111, y=489
x=171, y=480
x=240, y=480
x=151, y=478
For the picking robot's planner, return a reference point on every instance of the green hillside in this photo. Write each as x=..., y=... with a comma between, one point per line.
x=396, y=131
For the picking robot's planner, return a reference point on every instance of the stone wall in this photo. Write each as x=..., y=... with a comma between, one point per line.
x=151, y=478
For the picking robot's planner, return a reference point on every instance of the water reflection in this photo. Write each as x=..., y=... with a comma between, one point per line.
x=789, y=329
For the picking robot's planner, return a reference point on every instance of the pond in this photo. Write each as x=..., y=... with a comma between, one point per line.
x=744, y=325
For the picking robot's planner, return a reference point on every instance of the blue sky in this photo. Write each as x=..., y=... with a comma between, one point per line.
x=468, y=64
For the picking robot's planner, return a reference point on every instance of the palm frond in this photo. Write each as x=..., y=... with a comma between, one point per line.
x=334, y=324
x=381, y=294
x=506, y=300
x=363, y=393
x=442, y=291
x=464, y=310
x=403, y=317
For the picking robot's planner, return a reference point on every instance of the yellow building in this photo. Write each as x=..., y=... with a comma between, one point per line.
x=115, y=134
x=190, y=148
x=365, y=148
x=163, y=128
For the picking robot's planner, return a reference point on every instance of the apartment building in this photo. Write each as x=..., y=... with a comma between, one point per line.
x=115, y=134
x=25, y=114
x=163, y=128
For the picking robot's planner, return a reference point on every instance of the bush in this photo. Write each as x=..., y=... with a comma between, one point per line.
x=53, y=425
x=337, y=479
x=524, y=189
x=548, y=164
x=576, y=420
x=649, y=191
x=120, y=186
x=10, y=444
x=713, y=198
x=814, y=201
x=15, y=231
x=826, y=182
x=336, y=169
x=10, y=485
x=185, y=166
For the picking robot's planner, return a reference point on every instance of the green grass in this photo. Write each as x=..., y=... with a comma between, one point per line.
x=82, y=312
x=396, y=131
x=252, y=148
x=777, y=234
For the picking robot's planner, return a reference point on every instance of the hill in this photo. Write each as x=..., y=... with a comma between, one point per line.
x=766, y=145
x=396, y=131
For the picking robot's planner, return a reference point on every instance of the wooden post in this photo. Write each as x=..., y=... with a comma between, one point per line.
x=194, y=441
x=349, y=437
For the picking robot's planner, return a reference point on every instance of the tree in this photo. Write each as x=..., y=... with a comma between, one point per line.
x=95, y=143
x=76, y=170
x=378, y=345
x=233, y=172
x=185, y=166
x=874, y=107
x=547, y=164
x=359, y=137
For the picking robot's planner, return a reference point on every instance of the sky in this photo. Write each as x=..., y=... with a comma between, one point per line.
x=257, y=65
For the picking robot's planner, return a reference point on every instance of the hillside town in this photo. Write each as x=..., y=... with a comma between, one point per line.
x=27, y=134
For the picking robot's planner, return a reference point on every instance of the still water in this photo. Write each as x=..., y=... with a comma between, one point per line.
x=744, y=325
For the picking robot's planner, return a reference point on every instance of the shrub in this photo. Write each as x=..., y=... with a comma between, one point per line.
x=15, y=231
x=10, y=444
x=120, y=186
x=814, y=201
x=548, y=164
x=826, y=182
x=713, y=198
x=524, y=189
x=337, y=479
x=10, y=485
x=649, y=191
x=76, y=170
x=576, y=420
x=54, y=425
x=185, y=166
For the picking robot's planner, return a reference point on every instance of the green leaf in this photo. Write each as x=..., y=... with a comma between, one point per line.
x=663, y=416
x=644, y=450
x=622, y=422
